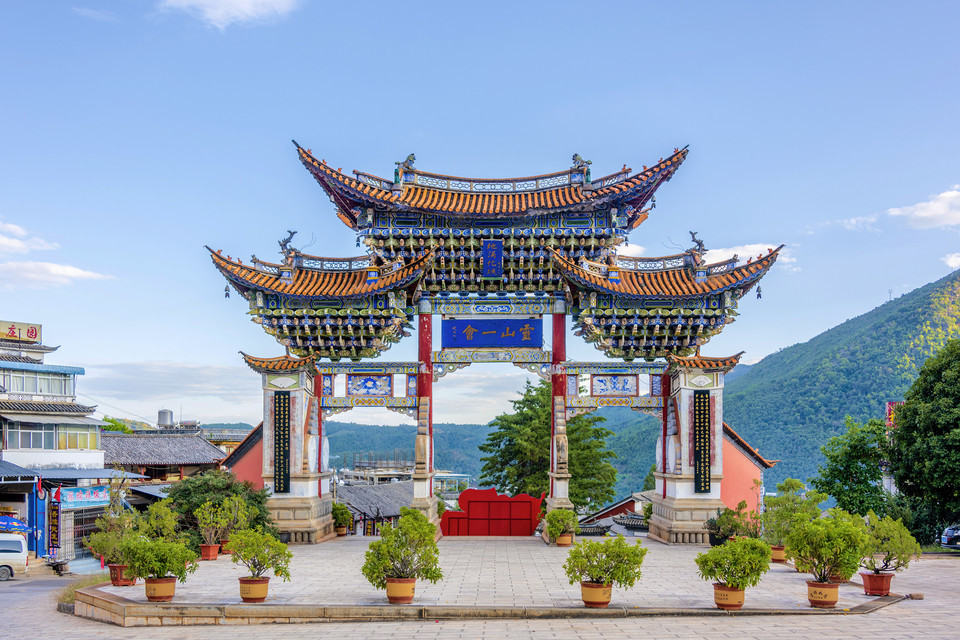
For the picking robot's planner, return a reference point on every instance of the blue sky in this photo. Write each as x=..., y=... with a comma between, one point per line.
x=134, y=133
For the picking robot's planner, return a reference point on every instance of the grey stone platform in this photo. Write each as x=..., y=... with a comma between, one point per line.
x=484, y=578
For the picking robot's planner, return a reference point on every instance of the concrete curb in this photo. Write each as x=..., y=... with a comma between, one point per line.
x=95, y=604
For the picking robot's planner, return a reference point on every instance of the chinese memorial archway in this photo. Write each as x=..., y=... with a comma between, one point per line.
x=495, y=259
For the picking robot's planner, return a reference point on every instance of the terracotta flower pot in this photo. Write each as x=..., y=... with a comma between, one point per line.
x=160, y=589
x=117, y=577
x=254, y=589
x=565, y=540
x=778, y=553
x=401, y=590
x=223, y=546
x=341, y=531
x=209, y=551
x=822, y=595
x=727, y=597
x=595, y=596
x=876, y=584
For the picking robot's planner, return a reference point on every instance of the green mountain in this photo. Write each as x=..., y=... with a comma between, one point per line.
x=791, y=402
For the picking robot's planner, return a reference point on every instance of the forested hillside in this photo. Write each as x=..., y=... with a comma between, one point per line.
x=456, y=446
x=789, y=404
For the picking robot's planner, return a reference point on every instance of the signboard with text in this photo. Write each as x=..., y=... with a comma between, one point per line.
x=701, y=442
x=77, y=497
x=55, y=525
x=281, y=442
x=22, y=331
x=492, y=253
x=477, y=333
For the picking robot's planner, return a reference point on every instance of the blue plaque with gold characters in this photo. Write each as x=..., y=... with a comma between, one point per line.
x=492, y=253
x=501, y=333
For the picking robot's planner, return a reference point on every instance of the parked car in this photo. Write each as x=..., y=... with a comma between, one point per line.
x=13, y=555
x=951, y=537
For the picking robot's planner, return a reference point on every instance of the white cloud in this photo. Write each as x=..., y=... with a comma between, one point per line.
x=36, y=275
x=747, y=251
x=100, y=15
x=942, y=210
x=952, y=260
x=16, y=239
x=861, y=223
x=633, y=250
x=222, y=13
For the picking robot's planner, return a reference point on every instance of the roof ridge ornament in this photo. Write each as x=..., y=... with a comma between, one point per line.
x=405, y=165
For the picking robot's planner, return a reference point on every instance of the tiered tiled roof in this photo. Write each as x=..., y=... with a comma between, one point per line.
x=669, y=283
x=351, y=194
x=281, y=363
x=315, y=283
x=138, y=450
x=704, y=363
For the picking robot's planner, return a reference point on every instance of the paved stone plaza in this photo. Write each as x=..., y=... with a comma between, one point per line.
x=512, y=571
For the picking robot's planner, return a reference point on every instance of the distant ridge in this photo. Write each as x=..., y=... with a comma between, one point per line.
x=791, y=402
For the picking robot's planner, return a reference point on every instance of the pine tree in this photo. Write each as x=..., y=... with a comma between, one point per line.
x=518, y=451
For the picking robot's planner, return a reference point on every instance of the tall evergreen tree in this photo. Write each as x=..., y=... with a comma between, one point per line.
x=926, y=444
x=852, y=471
x=518, y=451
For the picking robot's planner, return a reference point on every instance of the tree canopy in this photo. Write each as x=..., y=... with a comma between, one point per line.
x=926, y=444
x=851, y=472
x=518, y=449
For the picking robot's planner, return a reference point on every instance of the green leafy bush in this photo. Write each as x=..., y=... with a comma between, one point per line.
x=215, y=486
x=159, y=522
x=611, y=561
x=737, y=563
x=157, y=558
x=212, y=522
x=235, y=513
x=647, y=513
x=792, y=503
x=407, y=550
x=116, y=522
x=260, y=552
x=889, y=547
x=825, y=546
x=560, y=522
x=341, y=515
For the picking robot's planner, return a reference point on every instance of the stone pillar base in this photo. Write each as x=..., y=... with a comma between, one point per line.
x=680, y=521
x=306, y=519
x=428, y=507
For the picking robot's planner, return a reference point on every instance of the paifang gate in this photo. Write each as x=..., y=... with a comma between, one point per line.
x=504, y=263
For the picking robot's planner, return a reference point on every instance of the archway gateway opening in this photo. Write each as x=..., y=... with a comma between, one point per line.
x=503, y=263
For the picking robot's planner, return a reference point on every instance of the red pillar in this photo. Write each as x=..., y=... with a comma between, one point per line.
x=665, y=396
x=425, y=374
x=559, y=380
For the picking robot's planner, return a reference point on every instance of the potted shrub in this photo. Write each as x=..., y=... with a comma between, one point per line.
x=722, y=526
x=824, y=546
x=259, y=552
x=733, y=567
x=791, y=503
x=403, y=553
x=159, y=563
x=341, y=518
x=561, y=525
x=236, y=515
x=850, y=561
x=598, y=565
x=889, y=549
x=212, y=523
x=116, y=523
x=106, y=544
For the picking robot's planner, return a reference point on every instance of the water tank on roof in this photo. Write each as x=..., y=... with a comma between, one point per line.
x=165, y=418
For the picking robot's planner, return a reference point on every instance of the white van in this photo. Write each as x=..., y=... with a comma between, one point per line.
x=13, y=555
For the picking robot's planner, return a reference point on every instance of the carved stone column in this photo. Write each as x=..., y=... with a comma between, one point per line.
x=690, y=450
x=291, y=450
x=559, y=496
x=423, y=498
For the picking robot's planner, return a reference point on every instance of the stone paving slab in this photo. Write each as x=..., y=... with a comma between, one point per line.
x=491, y=577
